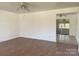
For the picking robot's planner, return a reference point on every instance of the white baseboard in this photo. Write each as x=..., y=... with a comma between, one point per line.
x=38, y=38
x=7, y=38
x=78, y=43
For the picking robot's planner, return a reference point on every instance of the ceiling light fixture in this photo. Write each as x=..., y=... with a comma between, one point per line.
x=24, y=7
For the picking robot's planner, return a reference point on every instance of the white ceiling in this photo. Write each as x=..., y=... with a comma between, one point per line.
x=37, y=6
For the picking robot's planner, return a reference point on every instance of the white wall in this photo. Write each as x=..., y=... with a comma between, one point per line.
x=9, y=25
x=77, y=32
x=40, y=25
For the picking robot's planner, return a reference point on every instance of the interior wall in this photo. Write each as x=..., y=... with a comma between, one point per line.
x=77, y=32
x=40, y=25
x=9, y=25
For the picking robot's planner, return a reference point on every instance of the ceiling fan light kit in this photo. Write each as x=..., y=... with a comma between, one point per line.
x=24, y=7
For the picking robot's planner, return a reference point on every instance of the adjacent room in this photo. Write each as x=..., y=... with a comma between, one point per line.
x=39, y=28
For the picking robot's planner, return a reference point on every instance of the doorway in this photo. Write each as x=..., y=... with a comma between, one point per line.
x=66, y=28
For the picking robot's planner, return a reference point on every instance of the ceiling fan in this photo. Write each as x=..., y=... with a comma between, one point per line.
x=24, y=7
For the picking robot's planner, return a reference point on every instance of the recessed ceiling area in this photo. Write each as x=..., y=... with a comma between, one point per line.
x=37, y=6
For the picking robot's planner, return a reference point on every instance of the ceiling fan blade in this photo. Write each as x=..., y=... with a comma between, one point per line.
x=27, y=4
x=24, y=7
x=28, y=9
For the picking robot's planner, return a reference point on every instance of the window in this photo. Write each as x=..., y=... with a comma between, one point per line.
x=61, y=25
x=64, y=26
x=67, y=25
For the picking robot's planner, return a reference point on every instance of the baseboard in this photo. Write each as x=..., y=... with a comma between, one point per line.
x=7, y=38
x=37, y=38
x=78, y=43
